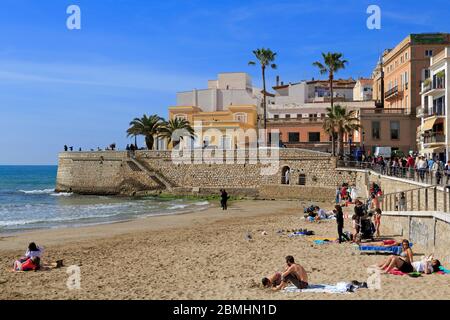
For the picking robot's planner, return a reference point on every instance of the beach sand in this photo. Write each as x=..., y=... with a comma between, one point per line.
x=201, y=255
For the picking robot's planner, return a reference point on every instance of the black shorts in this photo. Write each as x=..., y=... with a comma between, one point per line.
x=298, y=283
x=406, y=267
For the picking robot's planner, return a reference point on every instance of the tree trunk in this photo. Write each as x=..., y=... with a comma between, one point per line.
x=264, y=101
x=341, y=142
x=333, y=145
x=149, y=141
x=333, y=140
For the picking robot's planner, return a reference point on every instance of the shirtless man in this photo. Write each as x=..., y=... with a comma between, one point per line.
x=293, y=273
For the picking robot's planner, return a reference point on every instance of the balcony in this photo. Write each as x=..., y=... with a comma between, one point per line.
x=434, y=87
x=434, y=138
x=393, y=93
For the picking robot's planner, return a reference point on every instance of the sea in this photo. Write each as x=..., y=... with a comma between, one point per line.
x=28, y=202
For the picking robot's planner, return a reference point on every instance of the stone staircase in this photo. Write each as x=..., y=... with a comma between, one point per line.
x=154, y=175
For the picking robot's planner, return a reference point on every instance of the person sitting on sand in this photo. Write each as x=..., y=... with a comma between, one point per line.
x=29, y=264
x=272, y=281
x=403, y=262
x=32, y=251
x=293, y=273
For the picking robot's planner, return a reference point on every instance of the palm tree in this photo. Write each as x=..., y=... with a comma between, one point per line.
x=332, y=63
x=175, y=130
x=265, y=58
x=342, y=122
x=147, y=126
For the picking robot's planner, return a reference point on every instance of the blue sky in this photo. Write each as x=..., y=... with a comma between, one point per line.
x=82, y=87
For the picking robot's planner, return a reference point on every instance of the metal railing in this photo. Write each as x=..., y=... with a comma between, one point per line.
x=420, y=199
x=426, y=176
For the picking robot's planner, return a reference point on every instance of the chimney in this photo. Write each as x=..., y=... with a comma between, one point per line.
x=278, y=80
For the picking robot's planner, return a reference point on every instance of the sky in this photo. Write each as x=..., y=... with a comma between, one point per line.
x=130, y=57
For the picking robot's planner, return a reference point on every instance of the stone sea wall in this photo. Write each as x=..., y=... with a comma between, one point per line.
x=248, y=174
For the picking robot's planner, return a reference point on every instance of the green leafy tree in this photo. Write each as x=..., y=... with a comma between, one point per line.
x=147, y=126
x=339, y=122
x=265, y=58
x=331, y=64
x=175, y=130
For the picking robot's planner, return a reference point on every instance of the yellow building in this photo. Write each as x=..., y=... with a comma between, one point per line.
x=227, y=129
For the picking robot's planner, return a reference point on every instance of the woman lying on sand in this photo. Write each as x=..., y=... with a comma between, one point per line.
x=427, y=265
x=403, y=262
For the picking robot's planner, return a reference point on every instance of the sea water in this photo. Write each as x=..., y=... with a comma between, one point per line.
x=28, y=201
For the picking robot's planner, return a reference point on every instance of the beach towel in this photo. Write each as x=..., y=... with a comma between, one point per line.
x=394, y=249
x=323, y=241
x=396, y=272
x=340, y=287
x=444, y=270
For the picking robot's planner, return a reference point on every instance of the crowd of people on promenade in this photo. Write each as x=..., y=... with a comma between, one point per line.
x=413, y=166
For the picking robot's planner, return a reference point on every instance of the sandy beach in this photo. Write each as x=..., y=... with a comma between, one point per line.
x=201, y=255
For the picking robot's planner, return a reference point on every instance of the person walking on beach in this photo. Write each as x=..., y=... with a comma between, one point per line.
x=339, y=214
x=66, y=148
x=223, y=199
x=293, y=273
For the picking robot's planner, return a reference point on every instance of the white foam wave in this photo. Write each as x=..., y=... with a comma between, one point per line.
x=202, y=203
x=61, y=194
x=44, y=191
x=178, y=206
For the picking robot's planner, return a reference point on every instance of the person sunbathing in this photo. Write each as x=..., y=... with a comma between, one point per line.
x=426, y=265
x=30, y=264
x=272, y=281
x=294, y=273
x=403, y=262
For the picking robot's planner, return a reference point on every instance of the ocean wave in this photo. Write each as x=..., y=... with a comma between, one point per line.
x=178, y=206
x=44, y=191
x=202, y=203
x=61, y=194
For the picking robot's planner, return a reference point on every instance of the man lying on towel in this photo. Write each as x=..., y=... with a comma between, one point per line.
x=293, y=273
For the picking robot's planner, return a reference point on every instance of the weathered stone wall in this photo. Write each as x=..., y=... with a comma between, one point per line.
x=429, y=231
x=247, y=173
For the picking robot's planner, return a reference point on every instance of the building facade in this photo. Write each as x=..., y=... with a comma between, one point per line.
x=225, y=115
x=387, y=128
x=433, y=132
x=298, y=111
x=363, y=90
x=406, y=67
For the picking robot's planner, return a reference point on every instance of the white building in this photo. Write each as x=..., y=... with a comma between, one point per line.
x=434, y=132
x=232, y=88
x=363, y=90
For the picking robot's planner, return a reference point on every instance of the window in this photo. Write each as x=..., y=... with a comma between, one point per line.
x=406, y=56
x=299, y=115
x=302, y=179
x=276, y=116
x=314, y=136
x=426, y=74
x=395, y=130
x=288, y=116
x=294, y=137
x=241, y=117
x=428, y=53
x=375, y=130
x=180, y=116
